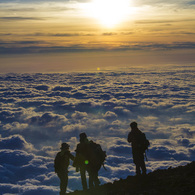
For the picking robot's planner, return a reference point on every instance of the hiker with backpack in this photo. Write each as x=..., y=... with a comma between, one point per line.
x=61, y=163
x=139, y=145
x=89, y=158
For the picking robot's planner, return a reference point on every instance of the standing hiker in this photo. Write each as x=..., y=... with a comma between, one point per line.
x=89, y=157
x=61, y=164
x=139, y=145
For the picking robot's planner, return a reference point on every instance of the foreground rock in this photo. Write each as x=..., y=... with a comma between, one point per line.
x=172, y=181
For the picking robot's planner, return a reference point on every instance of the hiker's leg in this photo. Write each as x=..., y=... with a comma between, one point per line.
x=143, y=169
x=91, y=178
x=136, y=160
x=63, y=182
x=143, y=165
x=96, y=180
x=91, y=181
x=83, y=178
x=137, y=169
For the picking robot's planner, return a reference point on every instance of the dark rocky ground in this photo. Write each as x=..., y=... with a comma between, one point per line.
x=171, y=181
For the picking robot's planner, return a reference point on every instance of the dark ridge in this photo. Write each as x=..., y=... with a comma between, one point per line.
x=171, y=181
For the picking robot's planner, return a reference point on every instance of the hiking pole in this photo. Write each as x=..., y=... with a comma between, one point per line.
x=104, y=166
x=146, y=156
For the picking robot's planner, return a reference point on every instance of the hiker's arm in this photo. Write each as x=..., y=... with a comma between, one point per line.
x=130, y=137
x=76, y=163
x=71, y=157
x=56, y=163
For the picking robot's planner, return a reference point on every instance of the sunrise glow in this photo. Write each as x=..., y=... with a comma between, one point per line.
x=109, y=12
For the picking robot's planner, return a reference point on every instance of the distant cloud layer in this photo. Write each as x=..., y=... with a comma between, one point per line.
x=21, y=47
x=39, y=111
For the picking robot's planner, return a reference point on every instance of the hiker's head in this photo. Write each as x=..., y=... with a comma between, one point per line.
x=82, y=136
x=64, y=146
x=133, y=125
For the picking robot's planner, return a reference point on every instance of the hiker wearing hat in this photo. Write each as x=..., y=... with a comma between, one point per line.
x=139, y=145
x=61, y=163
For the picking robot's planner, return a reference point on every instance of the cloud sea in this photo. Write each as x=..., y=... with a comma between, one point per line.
x=40, y=111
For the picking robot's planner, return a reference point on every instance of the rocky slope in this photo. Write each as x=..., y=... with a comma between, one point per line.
x=172, y=181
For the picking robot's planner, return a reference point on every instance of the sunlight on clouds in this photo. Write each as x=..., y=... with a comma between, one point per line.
x=109, y=12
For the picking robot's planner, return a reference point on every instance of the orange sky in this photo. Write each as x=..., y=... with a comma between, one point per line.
x=90, y=28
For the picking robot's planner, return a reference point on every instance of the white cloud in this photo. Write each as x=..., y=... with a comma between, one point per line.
x=38, y=112
x=74, y=127
x=15, y=126
x=79, y=115
x=110, y=115
x=15, y=142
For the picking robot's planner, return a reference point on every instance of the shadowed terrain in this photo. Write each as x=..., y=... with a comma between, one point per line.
x=177, y=181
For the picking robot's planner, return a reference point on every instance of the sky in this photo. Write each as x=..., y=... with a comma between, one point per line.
x=91, y=66
x=85, y=34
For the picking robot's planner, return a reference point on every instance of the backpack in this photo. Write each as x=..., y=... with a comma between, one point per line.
x=96, y=155
x=143, y=142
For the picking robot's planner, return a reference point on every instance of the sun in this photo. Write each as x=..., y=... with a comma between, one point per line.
x=109, y=12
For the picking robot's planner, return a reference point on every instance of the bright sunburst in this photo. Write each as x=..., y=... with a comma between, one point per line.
x=109, y=12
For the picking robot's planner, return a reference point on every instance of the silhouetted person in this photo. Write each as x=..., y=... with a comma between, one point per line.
x=61, y=163
x=86, y=161
x=139, y=144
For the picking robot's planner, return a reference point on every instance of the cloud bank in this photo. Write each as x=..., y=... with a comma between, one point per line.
x=39, y=111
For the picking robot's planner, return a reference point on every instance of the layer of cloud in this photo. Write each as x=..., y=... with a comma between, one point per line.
x=40, y=111
x=32, y=47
